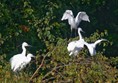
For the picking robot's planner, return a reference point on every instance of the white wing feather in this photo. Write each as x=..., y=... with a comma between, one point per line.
x=81, y=16
x=71, y=46
x=67, y=15
x=98, y=41
x=16, y=61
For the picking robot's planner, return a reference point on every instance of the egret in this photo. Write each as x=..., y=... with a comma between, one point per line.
x=76, y=46
x=15, y=59
x=22, y=62
x=92, y=46
x=74, y=22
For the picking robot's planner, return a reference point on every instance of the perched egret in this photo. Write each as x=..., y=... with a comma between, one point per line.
x=92, y=46
x=16, y=58
x=76, y=46
x=74, y=22
x=22, y=62
x=28, y=59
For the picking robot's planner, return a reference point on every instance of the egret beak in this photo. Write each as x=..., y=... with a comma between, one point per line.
x=83, y=31
x=33, y=56
x=105, y=40
x=29, y=46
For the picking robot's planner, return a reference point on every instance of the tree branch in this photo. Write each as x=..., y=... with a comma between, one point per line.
x=37, y=69
x=40, y=65
x=55, y=69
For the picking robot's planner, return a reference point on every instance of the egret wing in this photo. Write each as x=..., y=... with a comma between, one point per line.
x=13, y=61
x=98, y=41
x=67, y=15
x=81, y=16
x=71, y=46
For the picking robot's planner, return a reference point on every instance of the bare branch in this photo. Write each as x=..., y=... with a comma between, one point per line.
x=55, y=69
x=40, y=65
x=47, y=80
x=37, y=69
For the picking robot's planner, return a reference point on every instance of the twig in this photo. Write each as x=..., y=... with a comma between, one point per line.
x=40, y=65
x=46, y=80
x=55, y=69
x=60, y=74
x=37, y=69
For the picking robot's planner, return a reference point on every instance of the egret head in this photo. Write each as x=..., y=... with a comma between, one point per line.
x=69, y=12
x=25, y=44
x=30, y=55
x=80, y=29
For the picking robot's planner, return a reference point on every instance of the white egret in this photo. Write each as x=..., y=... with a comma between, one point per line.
x=14, y=60
x=22, y=62
x=74, y=22
x=92, y=46
x=76, y=46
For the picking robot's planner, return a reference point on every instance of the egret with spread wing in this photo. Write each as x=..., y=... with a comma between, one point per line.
x=74, y=22
x=92, y=46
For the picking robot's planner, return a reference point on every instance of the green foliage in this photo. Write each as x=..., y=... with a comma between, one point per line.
x=114, y=61
x=39, y=23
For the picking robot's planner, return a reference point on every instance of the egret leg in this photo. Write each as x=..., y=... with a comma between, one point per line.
x=71, y=33
x=75, y=33
x=17, y=75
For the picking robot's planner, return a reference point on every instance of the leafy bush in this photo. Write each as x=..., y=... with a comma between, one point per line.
x=39, y=24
